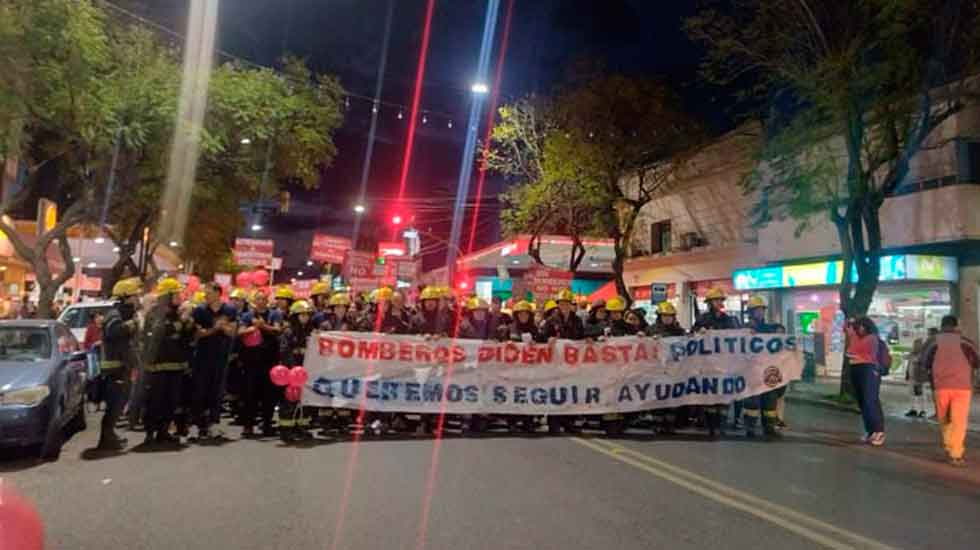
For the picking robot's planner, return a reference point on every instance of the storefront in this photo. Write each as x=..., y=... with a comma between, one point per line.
x=914, y=292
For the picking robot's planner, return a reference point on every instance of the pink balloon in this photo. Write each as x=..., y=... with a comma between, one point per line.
x=279, y=375
x=294, y=393
x=193, y=283
x=298, y=376
x=260, y=277
x=22, y=527
x=243, y=279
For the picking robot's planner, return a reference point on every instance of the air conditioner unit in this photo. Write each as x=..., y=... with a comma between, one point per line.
x=691, y=240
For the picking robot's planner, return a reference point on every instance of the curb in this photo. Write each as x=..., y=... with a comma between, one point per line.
x=822, y=403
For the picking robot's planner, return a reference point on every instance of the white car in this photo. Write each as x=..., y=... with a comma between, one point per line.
x=77, y=316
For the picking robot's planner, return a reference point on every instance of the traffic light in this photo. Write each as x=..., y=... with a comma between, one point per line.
x=396, y=219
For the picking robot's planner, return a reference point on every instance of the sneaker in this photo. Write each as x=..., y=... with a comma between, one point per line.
x=866, y=438
x=912, y=413
x=877, y=439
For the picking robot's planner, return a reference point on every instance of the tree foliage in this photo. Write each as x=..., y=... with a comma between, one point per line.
x=602, y=150
x=857, y=87
x=89, y=100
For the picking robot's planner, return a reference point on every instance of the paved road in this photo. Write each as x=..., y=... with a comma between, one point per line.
x=814, y=489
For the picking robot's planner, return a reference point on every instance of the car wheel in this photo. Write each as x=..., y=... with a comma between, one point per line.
x=78, y=422
x=54, y=438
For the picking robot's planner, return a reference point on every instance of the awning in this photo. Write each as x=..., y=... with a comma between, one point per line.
x=604, y=293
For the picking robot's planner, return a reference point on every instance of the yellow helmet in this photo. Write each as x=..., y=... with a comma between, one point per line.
x=523, y=305
x=300, y=306
x=550, y=305
x=285, y=292
x=339, y=299
x=198, y=298
x=127, y=287
x=477, y=303
x=169, y=285
x=615, y=304
x=380, y=295
x=714, y=294
x=444, y=292
x=238, y=294
x=756, y=302
x=666, y=308
x=430, y=293
x=565, y=295
x=321, y=288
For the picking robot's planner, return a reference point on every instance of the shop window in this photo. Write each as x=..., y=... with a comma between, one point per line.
x=660, y=237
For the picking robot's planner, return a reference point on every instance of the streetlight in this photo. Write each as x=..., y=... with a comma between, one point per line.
x=479, y=88
x=91, y=265
x=246, y=141
x=256, y=227
x=116, y=249
x=99, y=240
x=299, y=273
x=309, y=263
x=174, y=244
x=359, y=209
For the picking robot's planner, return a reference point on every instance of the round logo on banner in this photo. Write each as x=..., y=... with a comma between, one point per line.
x=772, y=377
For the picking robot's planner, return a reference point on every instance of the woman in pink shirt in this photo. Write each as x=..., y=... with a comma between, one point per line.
x=862, y=352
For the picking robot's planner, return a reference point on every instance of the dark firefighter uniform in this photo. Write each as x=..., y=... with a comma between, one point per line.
x=167, y=336
x=763, y=405
x=431, y=320
x=523, y=327
x=715, y=319
x=666, y=326
x=120, y=356
x=294, y=419
x=566, y=325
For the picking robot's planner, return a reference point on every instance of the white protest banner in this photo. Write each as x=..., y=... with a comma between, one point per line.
x=411, y=374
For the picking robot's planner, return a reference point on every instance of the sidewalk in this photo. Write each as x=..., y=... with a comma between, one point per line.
x=896, y=399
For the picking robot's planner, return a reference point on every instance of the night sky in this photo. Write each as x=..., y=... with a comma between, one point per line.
x=344, y=37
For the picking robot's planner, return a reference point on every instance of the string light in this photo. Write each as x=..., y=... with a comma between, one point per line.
x=374, y=109
x=450, y=125
x=425, y=119
x=400, y=114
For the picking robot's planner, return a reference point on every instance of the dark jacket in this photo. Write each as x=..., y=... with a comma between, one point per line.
x=566, y=328
x=435, y=322
x=714, y=321
x=119, y=341
x=764, y=327
x=292, y=342
x=400, y=323
x=518, y=329
x=166, y=340
x=660, y=329
x=472, y=329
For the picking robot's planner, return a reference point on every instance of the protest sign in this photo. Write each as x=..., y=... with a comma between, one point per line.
x=411, y=374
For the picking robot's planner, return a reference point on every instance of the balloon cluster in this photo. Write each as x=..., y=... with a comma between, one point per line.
x=293, y=378
x=247, y=279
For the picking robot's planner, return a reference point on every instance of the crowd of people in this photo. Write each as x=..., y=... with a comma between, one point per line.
x=178, y=365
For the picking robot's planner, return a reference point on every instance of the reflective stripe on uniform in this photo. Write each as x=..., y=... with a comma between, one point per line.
x=303, y=422
x=166, y=367
x=110, y=365
x=286, y=422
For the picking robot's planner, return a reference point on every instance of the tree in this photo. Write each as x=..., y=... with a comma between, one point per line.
x=623, y=136
x=859, y=87
x=546, y=198
x=91, y=100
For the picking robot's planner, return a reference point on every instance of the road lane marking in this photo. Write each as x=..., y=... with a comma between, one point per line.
x=801, y=524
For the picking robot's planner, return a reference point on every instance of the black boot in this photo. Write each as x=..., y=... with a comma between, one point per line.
x=111, y=442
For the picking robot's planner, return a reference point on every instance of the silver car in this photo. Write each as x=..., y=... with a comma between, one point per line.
x=43, y=375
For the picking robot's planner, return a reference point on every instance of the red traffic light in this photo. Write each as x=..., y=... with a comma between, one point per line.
x=464, y=284
x=396, y=219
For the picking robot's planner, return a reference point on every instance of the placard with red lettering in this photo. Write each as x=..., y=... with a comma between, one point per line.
x=257, y=252
x=389, y=373
x=329, y=248
x=546, y=281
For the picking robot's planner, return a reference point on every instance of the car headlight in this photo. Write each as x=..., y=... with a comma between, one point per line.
x=25, y=396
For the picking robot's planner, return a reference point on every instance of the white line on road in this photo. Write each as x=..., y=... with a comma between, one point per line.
x=781, y=516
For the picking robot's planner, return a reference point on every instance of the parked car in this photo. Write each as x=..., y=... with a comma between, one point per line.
x=77, y=316
x=43, y=379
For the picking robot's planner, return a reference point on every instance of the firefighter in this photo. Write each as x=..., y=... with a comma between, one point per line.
x=217, y=326
x=549, y=313
x=523, y=329
x=598, y=320
x=666, y=326
x=167, y=335
x=320, y=298
x=120, y=357
x=565, y=325
x=432, y=318
x=715, y=319
x=615, y=327
x=295, y=419
x=284, y=298
x=236, y=374
x=478, y=324
x=397, y=319
x=616, y=324
x=763, y=405
x=339, y=316
x=259, y=329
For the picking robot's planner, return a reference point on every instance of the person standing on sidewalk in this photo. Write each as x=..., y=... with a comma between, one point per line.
x=951, y=359
x=865, y=353
x=916, y=373
x=216, y=326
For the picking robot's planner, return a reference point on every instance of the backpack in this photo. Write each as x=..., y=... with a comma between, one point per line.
x=883, y=357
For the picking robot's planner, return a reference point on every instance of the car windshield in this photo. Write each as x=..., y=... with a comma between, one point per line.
x=24, y=344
